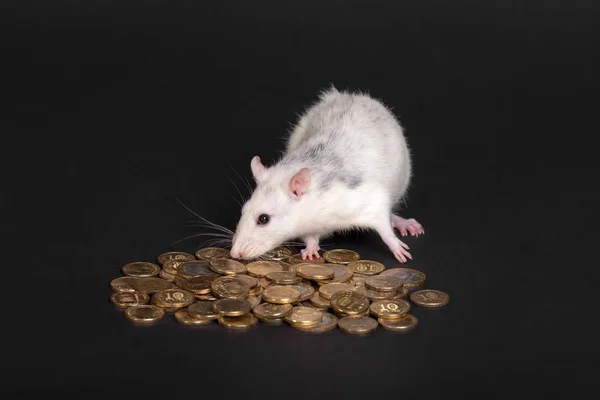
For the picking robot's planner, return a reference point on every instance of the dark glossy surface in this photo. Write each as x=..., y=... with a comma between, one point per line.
x=116, y=108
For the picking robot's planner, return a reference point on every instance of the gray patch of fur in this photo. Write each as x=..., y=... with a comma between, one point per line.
x=354, y=181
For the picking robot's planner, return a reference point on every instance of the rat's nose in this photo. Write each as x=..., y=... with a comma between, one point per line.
x=236, y=254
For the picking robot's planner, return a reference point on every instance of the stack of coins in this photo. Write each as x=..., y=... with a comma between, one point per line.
x=337, y=290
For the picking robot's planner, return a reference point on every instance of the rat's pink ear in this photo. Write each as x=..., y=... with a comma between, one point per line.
x=258, y=169
x=300, y=182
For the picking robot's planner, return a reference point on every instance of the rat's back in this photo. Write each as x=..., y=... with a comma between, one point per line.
x=351, y=138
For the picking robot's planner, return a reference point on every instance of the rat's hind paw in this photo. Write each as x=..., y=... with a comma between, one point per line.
x=407, y=226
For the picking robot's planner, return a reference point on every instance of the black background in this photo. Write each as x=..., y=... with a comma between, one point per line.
x=114, y=108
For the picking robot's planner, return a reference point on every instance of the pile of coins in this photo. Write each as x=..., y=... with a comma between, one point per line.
x=336, y=290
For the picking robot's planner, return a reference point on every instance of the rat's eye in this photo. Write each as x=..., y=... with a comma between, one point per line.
x=263, y=219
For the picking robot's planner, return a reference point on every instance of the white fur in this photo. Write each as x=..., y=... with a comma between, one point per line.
x=355, y=128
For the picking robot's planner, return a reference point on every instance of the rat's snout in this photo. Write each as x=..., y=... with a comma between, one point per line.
x=246, y=249
x=236, y=254
x=241, y=250
x=237, y=249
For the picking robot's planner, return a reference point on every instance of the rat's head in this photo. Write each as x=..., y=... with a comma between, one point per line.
x=270, y=215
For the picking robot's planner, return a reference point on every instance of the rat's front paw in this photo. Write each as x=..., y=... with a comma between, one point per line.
x=311, y=250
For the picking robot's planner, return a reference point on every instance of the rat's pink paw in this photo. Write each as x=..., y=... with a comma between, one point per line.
x=400, y=251
x=311, y=250
x=407, y=226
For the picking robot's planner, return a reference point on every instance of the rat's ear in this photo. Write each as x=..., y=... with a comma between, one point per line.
x=299, y=183
x=258, y=169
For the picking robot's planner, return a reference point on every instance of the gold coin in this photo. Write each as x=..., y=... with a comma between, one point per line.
x=173, y=298
x=314, y=272
x=140, y=269
x=349, y=302
x=412, y=278
x=123, y=284
x=202, y=310
x=375, y=294
x=384, y=283
x=402, y=293
x=227, y=266
x=144, y=314
x=305, y=316
x=179, y=281
x=259, y=269
x=170, y=266
x=283, y=277
x=171, y=309
x=229, y=287
x=250, y=281
x=328, y=323
x=297, y=259
x=329, y=289
x=245, y=262
x=307, y=303
x=183, y=317
x=255, y=291
x=341, y=273
x=264, y=282
x=287, y=267
x=125, y=299
x=165, y=275
x=429, y=298
x=208, y=253
x=359, y=280
x=389, y=308
x=341, y=256
x=366, y=267
x=319, y=301
x=271, y=311
x=278, y=254
x=151, y=285
x=271, y=321
x=231, y=307
x=357, y=325
x=305, y=289
x=342, y=315
x=239, y=323
x=190, y=269
x=254, y=301
x=198, y=285
x=279, y=294
x=175, y=255
x=205, y=297
x=402, y=324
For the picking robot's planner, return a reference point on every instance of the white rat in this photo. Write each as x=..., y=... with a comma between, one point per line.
x=347, y=164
